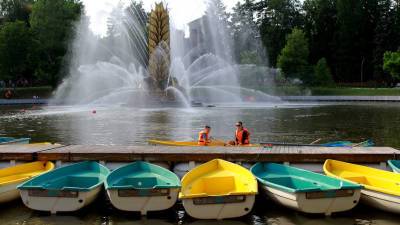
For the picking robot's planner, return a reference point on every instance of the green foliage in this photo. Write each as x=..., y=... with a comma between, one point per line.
x=15, y=46
x=322, y=74
x=52, y=23
x=276, y=19
x=391, y=64
x=249, y=57
x=320, y=20
x=293, y=60
x=13, y=10
x=248, y=46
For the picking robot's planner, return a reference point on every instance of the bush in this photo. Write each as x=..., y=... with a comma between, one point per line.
x=322, y=74
x=391, y=64
x=293, y=60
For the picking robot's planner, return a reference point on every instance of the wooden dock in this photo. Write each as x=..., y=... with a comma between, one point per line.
x=289, y=154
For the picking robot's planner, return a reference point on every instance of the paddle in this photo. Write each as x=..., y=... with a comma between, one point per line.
x=217, y=141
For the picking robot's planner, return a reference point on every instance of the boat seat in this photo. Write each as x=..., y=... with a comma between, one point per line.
x=218, y=185
x=354, y=177
x=72, y=181
x=20, y=176
x=138, y=182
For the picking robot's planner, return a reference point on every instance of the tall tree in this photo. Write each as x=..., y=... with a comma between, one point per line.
x=293, y=60
x=52, y=23
x=246, y=34
x=276, y=19
x=384, y=39
x=320, y=20
x=347, y=59
x=13, y=10
x=15, y=44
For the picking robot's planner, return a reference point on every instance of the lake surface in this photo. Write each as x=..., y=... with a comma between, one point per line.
x=122, y=125
x=265, y=213
x=283, y=122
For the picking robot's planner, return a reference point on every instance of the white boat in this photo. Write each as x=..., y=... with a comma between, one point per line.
x=142, y=187
x=65, y=189
x=381, y=188
x=306, y=191
x=11, y=177
x=218, y=190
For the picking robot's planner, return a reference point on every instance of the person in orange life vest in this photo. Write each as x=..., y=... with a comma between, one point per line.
x=204, y=136
x=242, y=135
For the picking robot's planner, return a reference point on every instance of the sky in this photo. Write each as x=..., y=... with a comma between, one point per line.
x=182, y=11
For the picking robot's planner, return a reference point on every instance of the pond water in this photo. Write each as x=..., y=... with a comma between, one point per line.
x=300, y=122
x=263, y=214
x=283, y=122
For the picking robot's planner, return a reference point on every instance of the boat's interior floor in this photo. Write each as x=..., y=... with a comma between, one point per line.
x=296, y=182
x=143, y=179
x=19, y=176
x=218, y=182
x=391, y=183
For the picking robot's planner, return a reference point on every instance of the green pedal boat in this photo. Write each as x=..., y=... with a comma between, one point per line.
x=306, y=191
x=142, y=187
x=65, y=189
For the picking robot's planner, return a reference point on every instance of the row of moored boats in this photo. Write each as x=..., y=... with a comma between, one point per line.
x=214, y=190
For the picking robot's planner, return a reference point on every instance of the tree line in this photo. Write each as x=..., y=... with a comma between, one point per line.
x=34, y=39
x=321, y=41
x=317, y=41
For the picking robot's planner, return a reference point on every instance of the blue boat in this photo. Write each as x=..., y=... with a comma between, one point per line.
x=306, y=191
x=65, y=189
x=11, y=140
x=395, y=165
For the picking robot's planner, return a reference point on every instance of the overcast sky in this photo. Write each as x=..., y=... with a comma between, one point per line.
x=182, y=11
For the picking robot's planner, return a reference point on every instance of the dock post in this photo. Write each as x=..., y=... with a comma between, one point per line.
x=58, y=163
x=12, y=162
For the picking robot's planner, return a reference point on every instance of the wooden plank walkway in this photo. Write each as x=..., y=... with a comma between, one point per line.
x=292, y=154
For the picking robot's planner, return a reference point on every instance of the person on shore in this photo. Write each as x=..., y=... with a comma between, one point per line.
x=242, y=135
x=204, y=136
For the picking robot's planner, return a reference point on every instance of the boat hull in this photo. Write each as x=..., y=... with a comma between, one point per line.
x=40, y=202
x=218, y=211
x=299, y=201
x=385, y=202
x=9, y=192
x=143, y=204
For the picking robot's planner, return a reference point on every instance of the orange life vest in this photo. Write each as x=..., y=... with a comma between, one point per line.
x=203, y=138
x=242, y=137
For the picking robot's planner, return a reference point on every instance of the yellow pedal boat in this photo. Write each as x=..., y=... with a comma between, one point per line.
x=381, y=188
x=218, y=190
x=194, y=143
x=11, y=177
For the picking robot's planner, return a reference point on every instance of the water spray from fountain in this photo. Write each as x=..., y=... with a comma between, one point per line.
x=144, y=61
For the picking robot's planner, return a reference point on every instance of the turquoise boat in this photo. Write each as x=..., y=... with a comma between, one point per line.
x=395, y=165
x=142, y=187
x=11, y=140
x=65, y=189
x=306, y=191
x=367, y=143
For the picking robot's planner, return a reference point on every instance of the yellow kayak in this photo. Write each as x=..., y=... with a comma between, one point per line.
x=381, y=188
x=194, y=144
x=218, y=190
x=11, y=177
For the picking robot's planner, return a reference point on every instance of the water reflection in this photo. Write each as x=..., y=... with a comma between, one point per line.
x=123, y=125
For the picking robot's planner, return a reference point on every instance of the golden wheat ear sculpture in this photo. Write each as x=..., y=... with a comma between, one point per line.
x=159, y=47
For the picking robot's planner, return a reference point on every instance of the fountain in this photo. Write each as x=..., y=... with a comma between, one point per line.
x=160, y=67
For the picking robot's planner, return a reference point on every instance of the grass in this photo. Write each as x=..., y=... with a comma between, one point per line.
x=328, y=91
